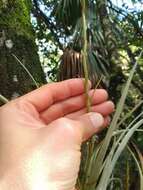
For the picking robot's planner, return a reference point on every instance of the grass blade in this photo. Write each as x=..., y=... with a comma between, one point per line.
x=30, y=75
x=3, y=99
x=110, y=164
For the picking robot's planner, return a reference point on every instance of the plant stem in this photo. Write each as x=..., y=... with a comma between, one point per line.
x=84, y=54
x=86, y=86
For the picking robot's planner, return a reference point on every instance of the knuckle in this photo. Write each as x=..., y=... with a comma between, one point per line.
x=68, y=128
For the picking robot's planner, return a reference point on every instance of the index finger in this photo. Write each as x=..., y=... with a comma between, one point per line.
x=48, y=94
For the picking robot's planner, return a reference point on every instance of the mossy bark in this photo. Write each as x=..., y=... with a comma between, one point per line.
x=17, y=37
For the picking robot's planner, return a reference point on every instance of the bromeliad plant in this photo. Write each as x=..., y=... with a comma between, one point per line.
x=101, y=160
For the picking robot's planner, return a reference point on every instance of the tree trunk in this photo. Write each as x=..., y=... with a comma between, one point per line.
x=17, y=38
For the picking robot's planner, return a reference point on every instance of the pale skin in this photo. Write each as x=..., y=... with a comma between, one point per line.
x=41, y=134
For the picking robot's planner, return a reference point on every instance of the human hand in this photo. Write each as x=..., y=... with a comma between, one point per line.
x=41, y=134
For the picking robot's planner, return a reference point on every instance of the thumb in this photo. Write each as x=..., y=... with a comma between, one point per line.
x=90, y=124
x=79, y=130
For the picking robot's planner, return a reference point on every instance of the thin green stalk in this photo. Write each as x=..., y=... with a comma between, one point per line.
x=3, y=99
x=124, y=130
x=130, y=113
x=96, y=86
x=110, y=164
x=86, y=82
x=32, y=78
x=138, y=166
x=84, y=54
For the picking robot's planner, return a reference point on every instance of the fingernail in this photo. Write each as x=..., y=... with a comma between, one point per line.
x=112, y=105
x=108, y=120
x=96, y=119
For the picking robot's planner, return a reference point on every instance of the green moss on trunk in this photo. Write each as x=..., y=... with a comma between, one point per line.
x=16, y=31
x=15, y=14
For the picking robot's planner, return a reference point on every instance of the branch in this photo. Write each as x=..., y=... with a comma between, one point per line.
x=49, y=24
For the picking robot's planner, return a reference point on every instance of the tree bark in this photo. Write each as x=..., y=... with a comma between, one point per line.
x=17, y=38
